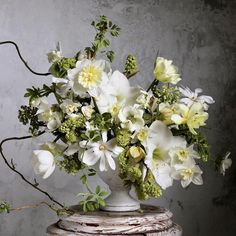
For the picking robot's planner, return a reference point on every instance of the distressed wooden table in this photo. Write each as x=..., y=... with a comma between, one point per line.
x=151, y=221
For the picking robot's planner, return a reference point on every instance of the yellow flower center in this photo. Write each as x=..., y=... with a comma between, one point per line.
x=142, y=135
x=90, y=76
x=186, y=174
x=115, y=110
x=102, y=147
x=182, y=154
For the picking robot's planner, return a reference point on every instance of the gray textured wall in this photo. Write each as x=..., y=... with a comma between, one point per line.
x=199, y=35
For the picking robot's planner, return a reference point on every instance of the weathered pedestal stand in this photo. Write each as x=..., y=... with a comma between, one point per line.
x=151, y=221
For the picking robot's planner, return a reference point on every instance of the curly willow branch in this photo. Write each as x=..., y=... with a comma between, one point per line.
x=12, y=167
x=22, y=59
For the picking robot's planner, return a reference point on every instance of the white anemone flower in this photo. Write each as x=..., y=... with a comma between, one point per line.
x=103, y=151
x=88, y=76
x=158, y=144
x=43, y=163
x=225, y=163
x=131, y=117
x=191, y=97
x=188, y=172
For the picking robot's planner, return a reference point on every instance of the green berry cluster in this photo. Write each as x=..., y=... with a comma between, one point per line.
x=71, y=164
x=123, y=137
x=131, y=65
x=166, y=94
x=71, y=127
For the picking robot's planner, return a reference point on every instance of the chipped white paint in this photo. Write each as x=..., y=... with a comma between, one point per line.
x=152, y=221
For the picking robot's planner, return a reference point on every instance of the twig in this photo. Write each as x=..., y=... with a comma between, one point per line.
x=22, y=59
x=12, y=167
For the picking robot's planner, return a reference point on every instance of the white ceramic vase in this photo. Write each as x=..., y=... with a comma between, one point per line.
x=119, y=199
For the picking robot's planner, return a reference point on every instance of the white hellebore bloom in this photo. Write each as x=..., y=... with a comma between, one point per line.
x=43, y=163
x=131, y=117
x=166, y=72
x=180, y=155
x=116, y=94
x=158, y=143
x=188, y=172
x=191, y=97
x=225, y=163
x=87, y=111
x=102, y=150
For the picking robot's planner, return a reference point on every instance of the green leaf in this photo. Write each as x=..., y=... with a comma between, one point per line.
x=110, y=55
x=103, y=193
x=98, y=189
x=83, y=179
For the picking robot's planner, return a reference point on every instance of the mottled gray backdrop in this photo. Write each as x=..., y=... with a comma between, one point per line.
x=199, y=35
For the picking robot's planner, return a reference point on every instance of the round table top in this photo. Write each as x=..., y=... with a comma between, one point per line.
x=149, y=220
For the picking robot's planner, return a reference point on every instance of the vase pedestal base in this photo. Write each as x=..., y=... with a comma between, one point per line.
x=150, y=221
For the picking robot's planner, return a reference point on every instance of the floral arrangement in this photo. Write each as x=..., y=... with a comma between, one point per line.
x=100, y=122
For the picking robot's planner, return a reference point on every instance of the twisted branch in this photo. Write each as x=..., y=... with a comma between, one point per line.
x=12, y=167
x=22, y=59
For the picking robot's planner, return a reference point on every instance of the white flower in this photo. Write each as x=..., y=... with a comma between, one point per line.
x=88, y=76
x=116, y=93
x=167, y=111
x=191, y=97
x=158, y=144
x=69, y=107
x=131, y=117
x=225, y=163
x=43, y=163
x=54, y=56
x=193, y=116
x=146, y=99
x=182, y=154
x=102, y=150
x=166, y=72
x=188, y=172
x=87, y=111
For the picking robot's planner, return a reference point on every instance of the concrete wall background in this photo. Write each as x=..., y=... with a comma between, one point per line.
x=199, y=35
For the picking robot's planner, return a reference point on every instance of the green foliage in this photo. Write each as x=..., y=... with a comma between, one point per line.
x=131, y=66
x=123, y=137
x=71, y=164
x=4, y=207
x=72, y=126
x=198, y=139
x=27, y=115
x=59, y=68
x=166, y=94
x=101, y=42
x=102, y=121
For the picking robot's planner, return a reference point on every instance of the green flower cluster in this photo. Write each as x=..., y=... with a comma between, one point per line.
x=148, y=188
x=132, y=175
x=71, y=127
x=71, y=164
x=166, y=94
x=4, y=207
x=131, y=66
x=123, y=137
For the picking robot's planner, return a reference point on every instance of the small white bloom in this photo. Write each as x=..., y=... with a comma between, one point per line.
x=225, y=163
x=188, y=172
x=102, y=150
x=166, y=72
x=131, y=117
x=145, y=99
x=43, y=163
x=54, y=56
x=69, y=107
x=87, y=111
x=191, y=97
